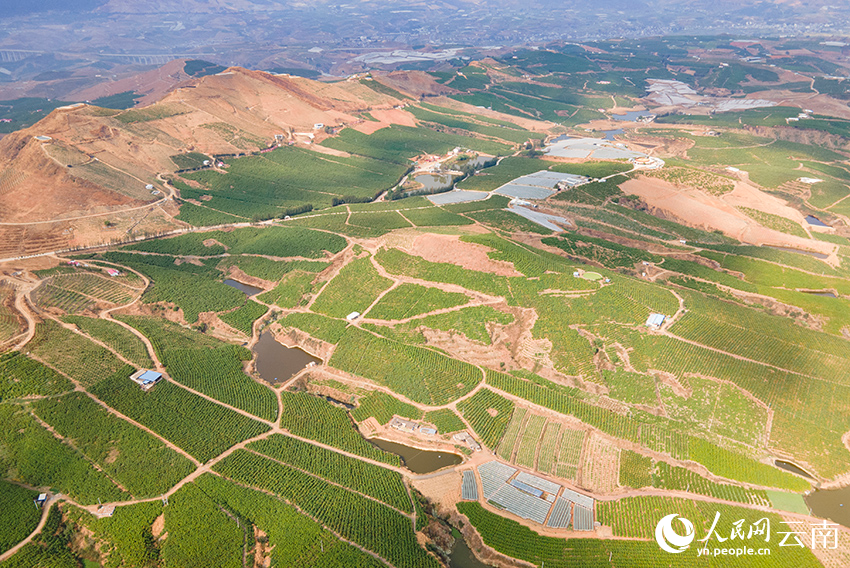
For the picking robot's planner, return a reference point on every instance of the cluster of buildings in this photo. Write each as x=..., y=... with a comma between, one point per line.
x=411, y=427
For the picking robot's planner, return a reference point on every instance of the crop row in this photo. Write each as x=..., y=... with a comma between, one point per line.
x=49, y=296
x=718, y=460
x=200, y=532
x=139, y=461
x=23, y=376
x=243, y=318
x=18, y=517
x=367, y=523
x=767, y=348
x=356, y=286
x=312, y=417
x=294, y=539
x=383, y=407
x=420, y=374
x=99, y=287
x=218, y=373
x=33, y=456
x=445, y=420
x=409, y=300
x=73, y=354
x=112, y=334
x=488, y=414
x=200, y=427
x=378, y=482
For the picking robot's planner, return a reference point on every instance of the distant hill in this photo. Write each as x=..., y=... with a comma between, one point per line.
x=89, y=159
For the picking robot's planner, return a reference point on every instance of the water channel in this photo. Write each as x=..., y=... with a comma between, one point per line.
x=416, y=460
x=276, y=363
x=793, y=468
x=822, y=293
x=610, y=134
x=247, y=289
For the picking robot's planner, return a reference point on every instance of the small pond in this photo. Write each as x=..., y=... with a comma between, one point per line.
x=823, y=293
x=479, y=161
x=793, y=468
x=812, y=220
x=462, y=556
x=610, y=134
x=435, y=181
x=819, y=255
x=416, y=460
x=833, y=504
x=247, y=289
x=276, y=363
x=631, y=116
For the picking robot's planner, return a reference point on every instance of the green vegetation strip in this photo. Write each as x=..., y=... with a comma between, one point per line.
x=378, y=482
x=18, y=514
x=312, y=417
x=202, y=428
x=420, y=374
x=139, y=461
x=33, y=456
x=373, y=526
x=488, y=413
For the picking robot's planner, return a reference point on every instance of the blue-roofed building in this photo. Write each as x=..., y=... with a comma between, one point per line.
x=145, y=378
x=654, y=321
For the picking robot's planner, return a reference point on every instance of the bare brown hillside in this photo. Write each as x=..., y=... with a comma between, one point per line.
x=81, y=161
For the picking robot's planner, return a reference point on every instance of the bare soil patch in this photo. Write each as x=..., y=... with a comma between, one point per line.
x=112, y=456
x=708, y=212
x=450, y=249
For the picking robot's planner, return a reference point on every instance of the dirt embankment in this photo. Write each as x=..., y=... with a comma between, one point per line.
x=802, y=136
x=709, y=212
x=450, y=249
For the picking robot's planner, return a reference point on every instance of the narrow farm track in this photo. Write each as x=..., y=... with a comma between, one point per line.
x=74, y=447
x=314, y=519
x=45, y=511
x=305, y=472
x=742, y=358
x=79, y=388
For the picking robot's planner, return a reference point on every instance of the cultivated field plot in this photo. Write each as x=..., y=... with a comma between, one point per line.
x=136, y=459
x=539, y=185
x=9, y=324
x=469, y=311
x=539, y=443
x=73, y=354
x=534, y=498
x=422, y=375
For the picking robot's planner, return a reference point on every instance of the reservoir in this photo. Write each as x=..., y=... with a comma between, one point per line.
x=462, y=556
x=433, y=182
x=812, y=220
x=248, y=290
x=824, y=293
x=276, y=363
x=610, y=134
x=832, y=504
x=631, y=116
x=416, y=460
x=819, y=255
x=788, y=466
